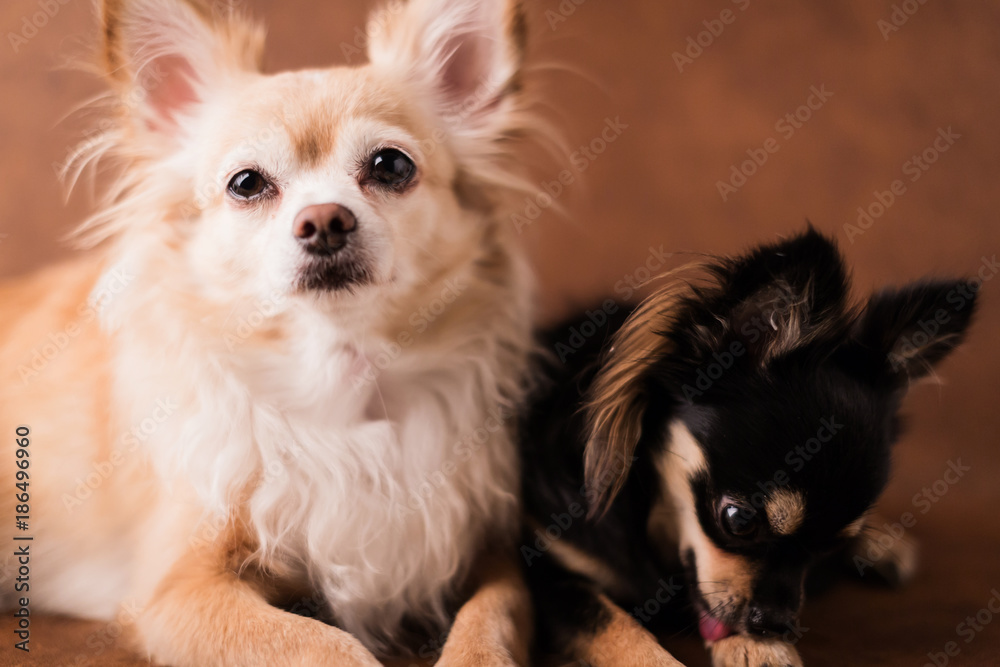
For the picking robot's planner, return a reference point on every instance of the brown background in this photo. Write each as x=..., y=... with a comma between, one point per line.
x=657, y=185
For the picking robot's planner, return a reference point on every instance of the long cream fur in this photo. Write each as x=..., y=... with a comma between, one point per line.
x=356, y=442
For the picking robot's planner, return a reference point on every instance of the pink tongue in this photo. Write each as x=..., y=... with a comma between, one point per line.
x=711, y=629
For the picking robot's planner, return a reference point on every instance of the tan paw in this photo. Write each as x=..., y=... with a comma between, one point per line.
x=328, y=646
x=346, y=654
x=622, y=642
x=743, y=651
x=639, y=656
x=477, y=656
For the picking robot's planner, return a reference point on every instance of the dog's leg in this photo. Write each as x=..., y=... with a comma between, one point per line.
x=884, y=549
x=493, y=628
x=577, y=621
x=616, y=639
x=202, y=614
x=743, y=651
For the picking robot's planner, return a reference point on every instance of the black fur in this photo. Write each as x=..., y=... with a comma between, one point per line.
x=766, y=357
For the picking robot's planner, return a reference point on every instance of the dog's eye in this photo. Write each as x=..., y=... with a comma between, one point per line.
x=391, y=167
x=739, y=521
x=247, y=184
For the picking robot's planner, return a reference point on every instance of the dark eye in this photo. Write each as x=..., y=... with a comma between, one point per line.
x=247, y=184
x=739, y=521
x=391, y=167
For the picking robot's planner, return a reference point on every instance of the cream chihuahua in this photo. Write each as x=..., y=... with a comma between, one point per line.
x=289, y=364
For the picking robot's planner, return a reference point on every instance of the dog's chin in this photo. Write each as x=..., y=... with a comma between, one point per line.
x=337, y=274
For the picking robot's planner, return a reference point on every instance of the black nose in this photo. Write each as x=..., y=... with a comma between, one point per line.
x=323, y=229
x=770, y=622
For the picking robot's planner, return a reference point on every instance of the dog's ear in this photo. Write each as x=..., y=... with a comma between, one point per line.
x=617, y=400
x=780, y=296
x=165, y=56
x=910, y=329
x=464, y=55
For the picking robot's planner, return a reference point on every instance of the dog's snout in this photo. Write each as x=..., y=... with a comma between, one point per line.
x=322, y=229
x=770, y=622
x=777, y=597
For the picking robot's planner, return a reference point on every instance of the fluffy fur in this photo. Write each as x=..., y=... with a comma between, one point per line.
x=345, y=428
x=725, y=435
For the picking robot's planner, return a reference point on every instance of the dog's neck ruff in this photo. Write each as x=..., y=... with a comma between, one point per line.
x=372, y=467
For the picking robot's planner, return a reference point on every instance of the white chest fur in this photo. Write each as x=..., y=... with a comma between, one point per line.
x=380, y=489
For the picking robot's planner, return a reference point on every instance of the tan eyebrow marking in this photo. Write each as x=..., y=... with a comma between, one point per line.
x=312, y=138
x=785, y=511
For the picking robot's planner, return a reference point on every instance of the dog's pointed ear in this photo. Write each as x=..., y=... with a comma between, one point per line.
x=617, y=400
x=466, y=55
x=165, y=56
x=782, y=295
x=911, y=329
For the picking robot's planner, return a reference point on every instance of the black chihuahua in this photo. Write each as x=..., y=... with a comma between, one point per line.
x=735, y=431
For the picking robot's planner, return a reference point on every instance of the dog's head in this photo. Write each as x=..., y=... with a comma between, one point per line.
x=768, y=406
x=320, y=184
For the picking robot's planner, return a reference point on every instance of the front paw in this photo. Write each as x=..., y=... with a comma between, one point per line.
x=341, y=653
x=743, y=651
x=346, y=651
x=477, y=656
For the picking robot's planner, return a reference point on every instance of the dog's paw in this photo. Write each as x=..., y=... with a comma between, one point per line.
x=329, y=646
x=348, y=654
x=642, y=654
x=477, y=656
x=338, y=654
x=886, y=552
x=653, y=657
x=631, y=655
x=743, y=651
